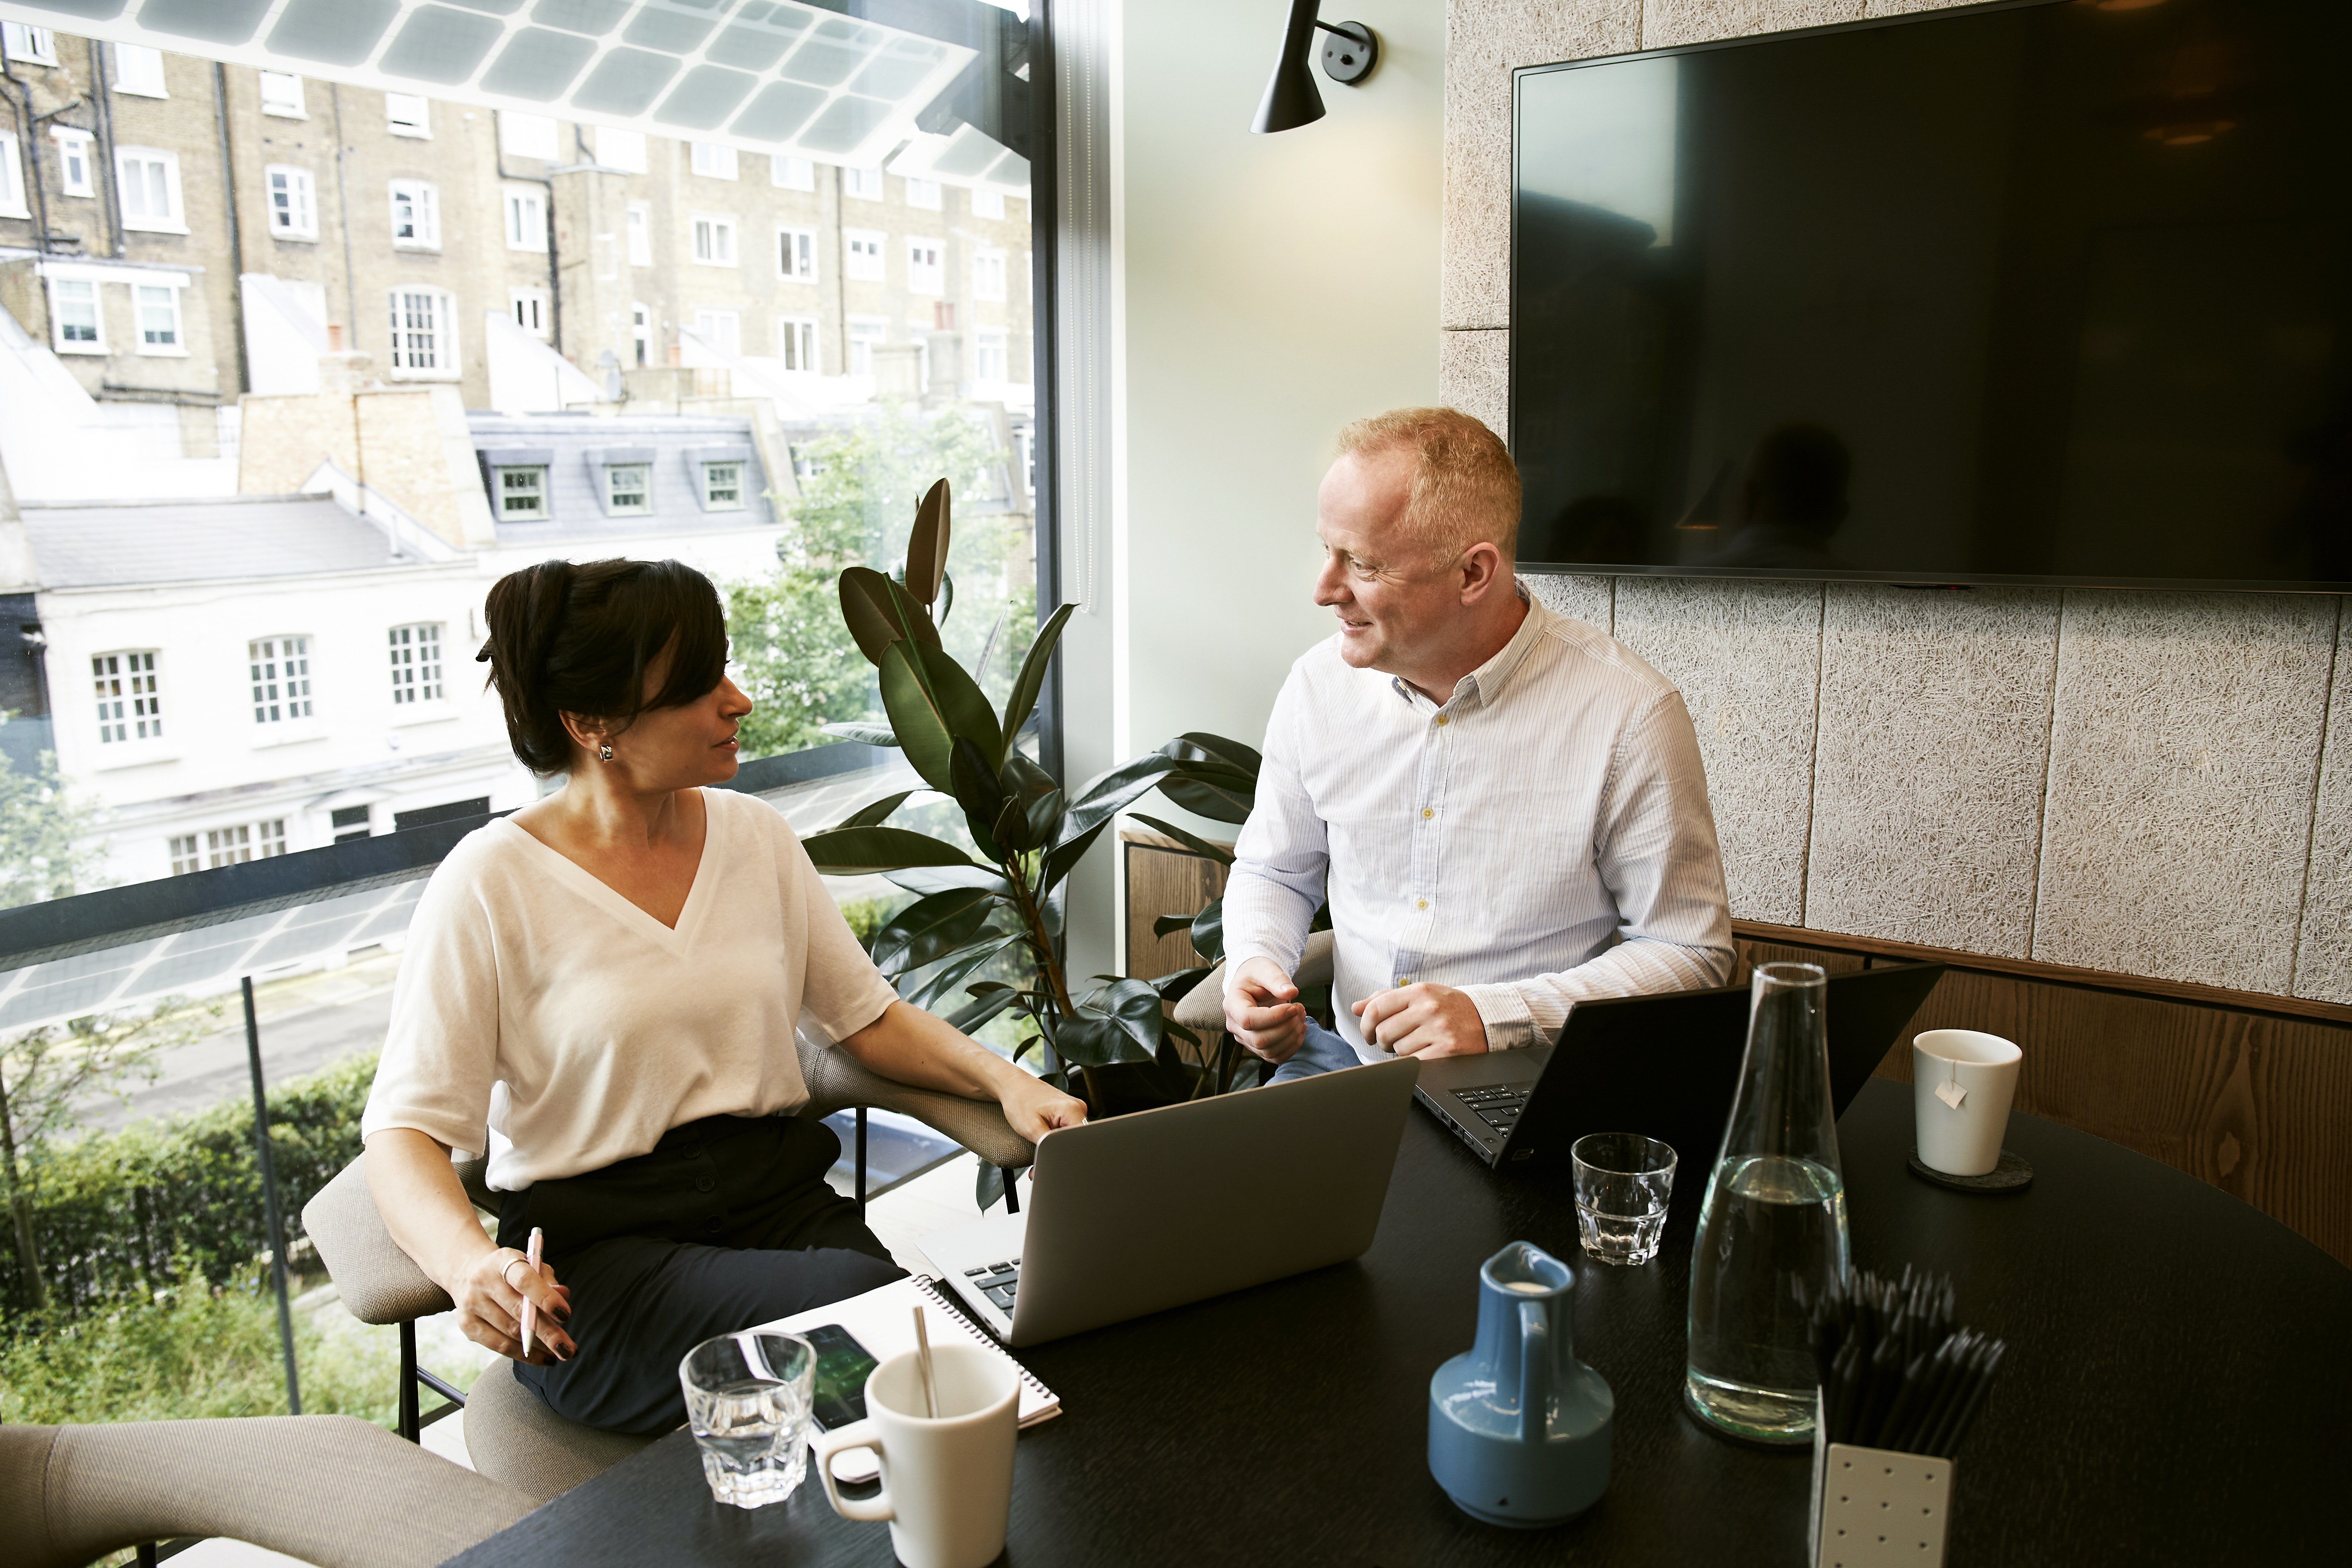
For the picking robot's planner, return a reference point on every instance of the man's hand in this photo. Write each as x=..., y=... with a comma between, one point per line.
x=1036, y=1108
x=1423, y=1020
x=1262, y=1011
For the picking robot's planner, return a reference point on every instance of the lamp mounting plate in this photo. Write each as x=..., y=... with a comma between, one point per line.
x=1351, y=50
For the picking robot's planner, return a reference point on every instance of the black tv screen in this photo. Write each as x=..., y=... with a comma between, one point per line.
x=2028, y=293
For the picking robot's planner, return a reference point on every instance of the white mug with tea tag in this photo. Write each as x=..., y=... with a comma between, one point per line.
x=1961, y=1084
x=947, y=1480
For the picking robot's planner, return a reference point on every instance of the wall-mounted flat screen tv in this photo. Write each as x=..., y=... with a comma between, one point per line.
x=2024, y=294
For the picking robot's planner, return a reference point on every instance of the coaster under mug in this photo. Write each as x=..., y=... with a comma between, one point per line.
x=2012, y=1173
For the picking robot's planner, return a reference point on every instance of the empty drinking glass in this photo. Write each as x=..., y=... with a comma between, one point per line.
x=747, y=1397
x=1622, y=1182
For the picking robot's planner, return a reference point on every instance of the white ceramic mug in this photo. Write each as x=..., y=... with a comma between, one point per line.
x=1980, y=1071
x=947, y=1481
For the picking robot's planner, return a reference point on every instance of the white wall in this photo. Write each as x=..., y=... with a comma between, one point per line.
x=1275, y=288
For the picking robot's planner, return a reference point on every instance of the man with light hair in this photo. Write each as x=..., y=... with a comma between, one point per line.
x=1506, y=806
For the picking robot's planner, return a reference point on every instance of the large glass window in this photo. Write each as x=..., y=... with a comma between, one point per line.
x=416, y=664
x=281, y=672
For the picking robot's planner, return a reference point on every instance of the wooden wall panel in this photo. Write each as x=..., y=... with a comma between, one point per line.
x=1162, y=882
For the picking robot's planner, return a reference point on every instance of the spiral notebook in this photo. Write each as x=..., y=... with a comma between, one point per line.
x=883, y=1321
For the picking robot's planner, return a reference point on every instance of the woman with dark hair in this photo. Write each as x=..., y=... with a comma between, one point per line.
x=609, y=980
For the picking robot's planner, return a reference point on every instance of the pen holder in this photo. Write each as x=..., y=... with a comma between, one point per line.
x=1874, y=1507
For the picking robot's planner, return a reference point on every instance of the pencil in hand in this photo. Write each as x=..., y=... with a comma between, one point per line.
x=530, y=1308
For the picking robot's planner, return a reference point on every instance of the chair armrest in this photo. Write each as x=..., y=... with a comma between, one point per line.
x=837, y=1080
x=377, y=1281
x=1202, y=1008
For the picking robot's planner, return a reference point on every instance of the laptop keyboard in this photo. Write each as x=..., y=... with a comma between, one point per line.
x=1496, y=1105
x=997, y=1282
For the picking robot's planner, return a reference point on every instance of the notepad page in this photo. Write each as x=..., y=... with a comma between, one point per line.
x=883, y=1321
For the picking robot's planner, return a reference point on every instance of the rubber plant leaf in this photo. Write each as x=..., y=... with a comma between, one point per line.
x=863, y=851
x=931, y=701
x=864, y=734
x=1194, y=745
x=927, y=879
x=944, y=978
x=1023, y=699
x=872, y=816
x=1107, y=793
x=1214, y=796
x=1209, y=932
x=1192, y=841
x=926, y=547
x=1094, y=1040
x=930, y=929
x=866, y=610
x=981, y=1009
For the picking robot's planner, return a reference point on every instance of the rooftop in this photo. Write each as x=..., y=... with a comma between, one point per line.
x=200, y=541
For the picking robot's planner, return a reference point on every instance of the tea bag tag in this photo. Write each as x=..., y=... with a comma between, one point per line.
x=1950, y=1092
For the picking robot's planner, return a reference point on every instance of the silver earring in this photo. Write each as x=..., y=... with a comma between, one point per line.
x=605, y=752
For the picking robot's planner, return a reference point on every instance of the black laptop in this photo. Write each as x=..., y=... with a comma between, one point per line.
x=1665, y=1066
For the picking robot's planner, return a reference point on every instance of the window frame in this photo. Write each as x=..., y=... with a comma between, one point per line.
x=133, y=710
x=925, y=196
x=285, y=104
x=863, y=185
x=522, y=212
x=609, y=490
x=76, y=148
x=398, y=359
x=995, y=263
x=501, y=492
x=177, y=220
x=928, y=279
x=524, y=135
x=712, y=160
x=983, y=340
x=418, y=125
x=178, y=347
x=301, y=208
x=788, y=173
x=426, y=650
x=140, y=71
x=725, y=333
x=716, y=226
x=631, y=159
x=865, y=256
x=994, y=211
x=639, y=234
x=856, y=337
x=32, y=43
x=706, y=484
x=800, y=338
x=424, y=199
x=797, y=250
x=292, y=723
x=12, y=178
x=531, y=308
x=60, y=279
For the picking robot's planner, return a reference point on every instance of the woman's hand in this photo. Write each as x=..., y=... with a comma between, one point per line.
x=1036, y=1108
x=489, y=1298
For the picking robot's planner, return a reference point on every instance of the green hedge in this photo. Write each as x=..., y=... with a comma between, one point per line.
x=116, y=1214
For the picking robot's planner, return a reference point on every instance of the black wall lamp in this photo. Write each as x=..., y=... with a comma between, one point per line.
x=1348, y=55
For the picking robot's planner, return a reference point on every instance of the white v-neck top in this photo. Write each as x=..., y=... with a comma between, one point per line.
x=536, y=1000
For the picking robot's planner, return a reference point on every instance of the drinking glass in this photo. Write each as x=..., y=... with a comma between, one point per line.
x=1622, y=1182
x=747, y=1397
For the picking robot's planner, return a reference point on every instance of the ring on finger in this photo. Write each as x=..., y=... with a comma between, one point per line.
x=505, y=1272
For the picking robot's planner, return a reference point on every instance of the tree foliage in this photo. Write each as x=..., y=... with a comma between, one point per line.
x=48, y=844
x=794, y=656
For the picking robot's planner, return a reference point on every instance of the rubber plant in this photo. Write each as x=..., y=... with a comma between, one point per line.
x=1111, y=1044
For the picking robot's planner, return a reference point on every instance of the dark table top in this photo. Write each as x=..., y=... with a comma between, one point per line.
x=2174, y=1392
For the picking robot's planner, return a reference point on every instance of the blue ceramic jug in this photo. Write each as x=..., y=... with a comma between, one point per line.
x=1518, y=1428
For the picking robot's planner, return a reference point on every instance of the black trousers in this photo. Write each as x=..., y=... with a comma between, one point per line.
x=725, y=1224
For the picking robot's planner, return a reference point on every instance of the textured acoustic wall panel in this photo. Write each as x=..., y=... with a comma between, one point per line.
x=1935, y=737
x=1585, y=597
x=767, y=76
x=1668, y=22
x=1484, y=41
x=1747, y=656
x=1474, y=374
x=2184, y=752
x=2323, y=960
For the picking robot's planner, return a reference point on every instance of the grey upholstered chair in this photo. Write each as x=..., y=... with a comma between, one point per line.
x=1202, y=1008
x=511, y=1435
x=329, y=1489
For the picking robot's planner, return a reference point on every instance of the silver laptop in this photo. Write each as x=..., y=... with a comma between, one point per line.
x=1240, y=1189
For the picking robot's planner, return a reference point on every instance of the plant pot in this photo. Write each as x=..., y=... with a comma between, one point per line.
x=1123, y=1086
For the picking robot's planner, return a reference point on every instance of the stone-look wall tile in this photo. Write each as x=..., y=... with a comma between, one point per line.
x=1669, y=22
x=1484, y=41
x=1580, y=594
x=1747, y=655
x=1934, y=736
x=1474, y=374
x=2184, y=750
x=2322, y=960
x=1910, y=7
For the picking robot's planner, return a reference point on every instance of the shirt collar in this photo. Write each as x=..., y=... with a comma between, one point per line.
x=1484, y=684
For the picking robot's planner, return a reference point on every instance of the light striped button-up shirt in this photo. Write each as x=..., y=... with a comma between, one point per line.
x=1542, y=837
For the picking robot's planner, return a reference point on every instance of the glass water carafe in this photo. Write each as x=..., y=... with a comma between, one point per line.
x=1772, y=1233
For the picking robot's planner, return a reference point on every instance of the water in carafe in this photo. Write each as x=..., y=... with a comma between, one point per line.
x=1772, y=1228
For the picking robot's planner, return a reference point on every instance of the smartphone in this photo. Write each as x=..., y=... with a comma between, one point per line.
x=842, y=1365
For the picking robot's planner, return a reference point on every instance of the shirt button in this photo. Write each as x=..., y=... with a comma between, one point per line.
x=704, y=1184
x=1421, y=903
x=1428, y=812
x=1441, y=717
x=1402, y=981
